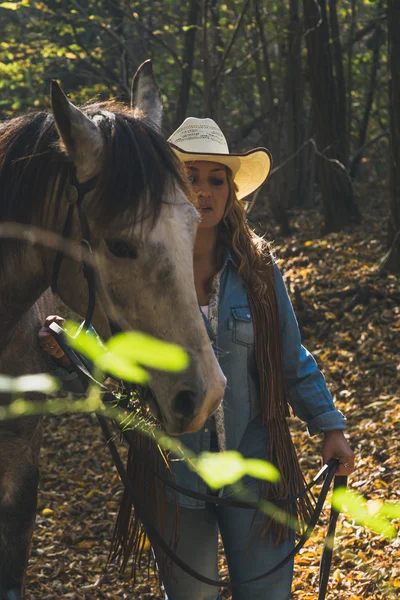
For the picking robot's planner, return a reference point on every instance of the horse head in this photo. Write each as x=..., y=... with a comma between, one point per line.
x=141, y=226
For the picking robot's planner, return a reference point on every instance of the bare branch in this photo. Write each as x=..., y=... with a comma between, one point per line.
x=232, y=40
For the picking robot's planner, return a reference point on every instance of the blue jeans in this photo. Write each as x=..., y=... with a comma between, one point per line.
x=246, y=557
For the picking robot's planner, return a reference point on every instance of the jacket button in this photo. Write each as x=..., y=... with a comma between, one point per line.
x=248, y=315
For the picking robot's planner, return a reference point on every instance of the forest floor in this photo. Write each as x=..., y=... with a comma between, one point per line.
x=350, y=319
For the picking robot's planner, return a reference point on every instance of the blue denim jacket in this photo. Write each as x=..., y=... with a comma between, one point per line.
x=308, y=394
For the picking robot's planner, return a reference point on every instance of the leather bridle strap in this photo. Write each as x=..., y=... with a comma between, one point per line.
x=158, y=540
x=75, y=195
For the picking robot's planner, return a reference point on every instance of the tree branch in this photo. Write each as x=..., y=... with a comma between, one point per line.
x=232, y=40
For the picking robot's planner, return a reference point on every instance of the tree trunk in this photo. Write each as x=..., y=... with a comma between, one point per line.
x=341, y=121
x=212, y=45
x=391, y=261
x=338, y=203
x=273, y=126
x=295, y=98
x=349, y=111
x=187, y=60
x=377, y=41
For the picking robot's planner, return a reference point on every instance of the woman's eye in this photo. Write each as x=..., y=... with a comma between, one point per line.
x=217, y=182
x=191, y=179
x=121, y=249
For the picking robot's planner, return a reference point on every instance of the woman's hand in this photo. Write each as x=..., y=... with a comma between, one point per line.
x=49, y=344
x=336, y=446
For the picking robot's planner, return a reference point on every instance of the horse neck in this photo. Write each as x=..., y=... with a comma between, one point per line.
x=22, y=281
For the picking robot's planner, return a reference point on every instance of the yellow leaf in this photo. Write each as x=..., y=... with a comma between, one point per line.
x=146, y=545
x=337, y=576
x=86, y=544
x=330, y=316
x=46, y=512
x=308, y=243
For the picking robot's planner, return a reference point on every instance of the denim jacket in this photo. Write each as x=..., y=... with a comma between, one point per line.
x=308, y=394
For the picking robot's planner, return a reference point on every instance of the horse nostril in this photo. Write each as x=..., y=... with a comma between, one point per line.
x=184, y=403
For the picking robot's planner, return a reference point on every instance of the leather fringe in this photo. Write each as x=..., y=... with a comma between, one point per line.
x=274, y=407
x=130, y=542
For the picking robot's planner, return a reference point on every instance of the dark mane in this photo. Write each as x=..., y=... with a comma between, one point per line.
x=137, y=159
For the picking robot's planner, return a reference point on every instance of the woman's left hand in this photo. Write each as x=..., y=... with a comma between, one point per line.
x=336, y=446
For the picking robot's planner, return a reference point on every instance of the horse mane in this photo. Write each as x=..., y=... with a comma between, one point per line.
x=138, y=166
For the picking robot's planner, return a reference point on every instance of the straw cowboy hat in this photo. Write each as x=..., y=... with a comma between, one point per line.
x=202, y=139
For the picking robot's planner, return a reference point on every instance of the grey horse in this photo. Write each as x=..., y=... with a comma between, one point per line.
x=142, y=228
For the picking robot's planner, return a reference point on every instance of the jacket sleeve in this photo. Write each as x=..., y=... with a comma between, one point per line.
x=309, y=396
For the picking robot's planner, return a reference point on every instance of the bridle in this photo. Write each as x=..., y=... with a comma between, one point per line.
x=76, y=193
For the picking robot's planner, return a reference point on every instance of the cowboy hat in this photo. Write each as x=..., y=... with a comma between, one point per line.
x=202, y=139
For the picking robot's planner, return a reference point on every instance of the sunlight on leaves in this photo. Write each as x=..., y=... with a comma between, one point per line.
x=10, y=5
x=123, y=354
x=219, y=469
x=84, y=341
x=121, y=368
x=369, y=514
x=148, y=351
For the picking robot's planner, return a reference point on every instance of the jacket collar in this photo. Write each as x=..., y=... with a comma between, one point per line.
x=229, y=256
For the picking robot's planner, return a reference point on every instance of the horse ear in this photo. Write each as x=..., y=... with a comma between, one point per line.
x=79, y=136
x=145, y=95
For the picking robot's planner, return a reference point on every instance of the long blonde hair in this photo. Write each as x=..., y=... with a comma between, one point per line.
x=251, y=250
x=257, y=273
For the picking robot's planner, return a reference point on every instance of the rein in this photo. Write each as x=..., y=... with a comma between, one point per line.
x=75, y=196
x=328, y=471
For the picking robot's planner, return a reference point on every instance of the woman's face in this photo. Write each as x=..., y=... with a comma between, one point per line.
x=210, y=184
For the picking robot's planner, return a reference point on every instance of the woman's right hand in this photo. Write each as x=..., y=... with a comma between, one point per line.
x=49, y=344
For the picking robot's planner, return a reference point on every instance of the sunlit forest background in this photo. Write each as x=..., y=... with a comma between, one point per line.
x=317, y=82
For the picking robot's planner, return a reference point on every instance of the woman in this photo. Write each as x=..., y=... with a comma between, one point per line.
x=251, y=323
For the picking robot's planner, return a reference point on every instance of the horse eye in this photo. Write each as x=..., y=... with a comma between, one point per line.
x=121, y=249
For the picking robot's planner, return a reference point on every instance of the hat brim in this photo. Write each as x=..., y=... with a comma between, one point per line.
x=250, y=170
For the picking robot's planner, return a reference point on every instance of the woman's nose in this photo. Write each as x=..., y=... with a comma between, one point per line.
x=204, y=193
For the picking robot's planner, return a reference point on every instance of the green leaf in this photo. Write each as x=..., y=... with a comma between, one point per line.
x=84, y=341
x=391, y=511
x=261, y=469
x=29, y=383
x=121, y=355
x=148, y=351
x=122, y=369
x=36, y=383
x=10, y=5
x=356, y=506
x=225, y=468
x=188, y=27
